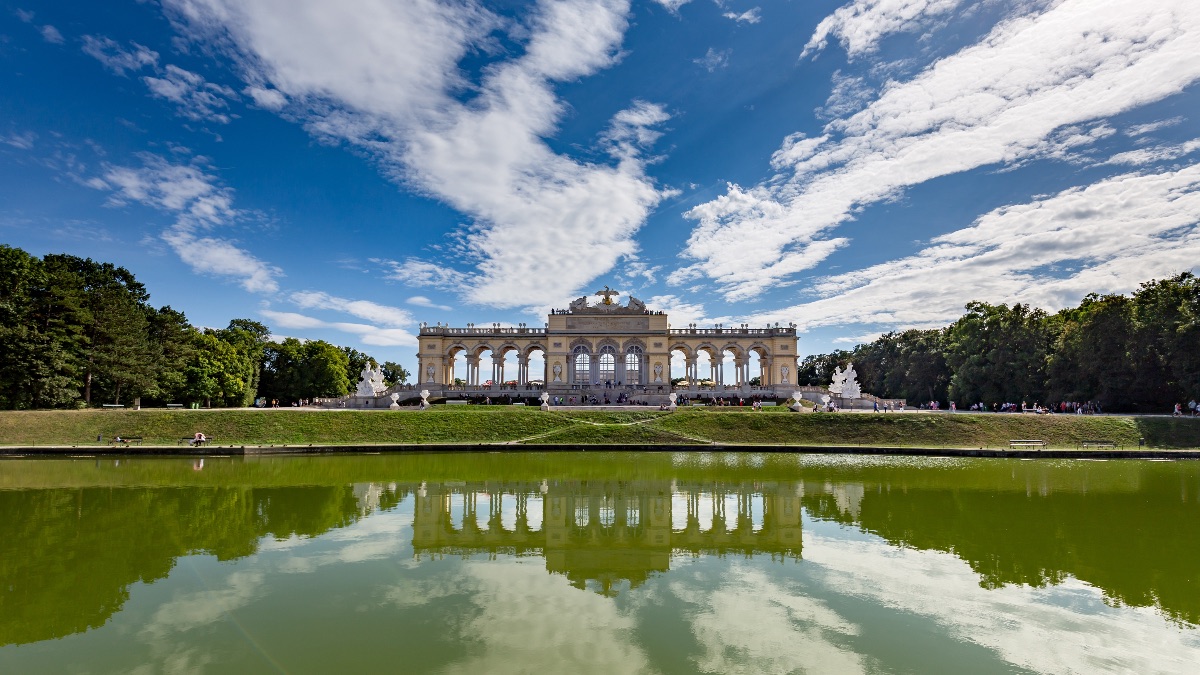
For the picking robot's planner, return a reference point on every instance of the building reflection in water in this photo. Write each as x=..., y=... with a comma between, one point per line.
x=607, y=532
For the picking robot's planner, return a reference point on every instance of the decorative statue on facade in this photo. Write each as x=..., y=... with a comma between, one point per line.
x=783, y=375
x=578, y=304
x=658, y=372
x=557, y=373
x=429, y=373
x=636, y=305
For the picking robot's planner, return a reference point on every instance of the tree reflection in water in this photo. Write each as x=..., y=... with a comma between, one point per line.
x=75, y=536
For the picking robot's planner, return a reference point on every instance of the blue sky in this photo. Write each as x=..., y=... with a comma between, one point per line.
x=347, y=170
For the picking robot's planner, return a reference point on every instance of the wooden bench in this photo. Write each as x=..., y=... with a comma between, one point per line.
x=112, y=405
x=174, y=405
x=191, y=440
x=1027, y=443
x=1097, y=444
x=136, y=440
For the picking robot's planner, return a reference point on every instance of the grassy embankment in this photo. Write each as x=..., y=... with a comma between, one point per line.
x=502, y=424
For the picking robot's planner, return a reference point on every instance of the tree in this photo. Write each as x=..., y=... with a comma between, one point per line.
x=999, y=353
x=393, y=373
x=293, y=370
x=1093, y=356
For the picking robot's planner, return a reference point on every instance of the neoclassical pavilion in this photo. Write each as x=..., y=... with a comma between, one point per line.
x=604, y=345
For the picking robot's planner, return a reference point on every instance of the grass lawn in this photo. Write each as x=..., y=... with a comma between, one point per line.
x=503, y=424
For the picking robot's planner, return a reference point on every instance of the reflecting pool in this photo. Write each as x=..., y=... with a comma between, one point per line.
x=598, y=562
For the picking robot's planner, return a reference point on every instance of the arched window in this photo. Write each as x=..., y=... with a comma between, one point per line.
x=633, y=365
x=583, y=365
x=608, y=364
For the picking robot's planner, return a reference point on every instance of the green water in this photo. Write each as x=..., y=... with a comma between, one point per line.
x=598, y=563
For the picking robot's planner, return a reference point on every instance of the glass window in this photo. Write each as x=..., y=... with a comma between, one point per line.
x=633, y=366
x=583, y=365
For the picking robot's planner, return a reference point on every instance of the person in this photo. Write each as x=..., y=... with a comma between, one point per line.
x=198, y=439
x=1178, y=410
x=875, y=406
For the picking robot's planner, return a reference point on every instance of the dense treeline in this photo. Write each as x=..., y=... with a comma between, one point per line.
x=76, y=332
x=1139, y=353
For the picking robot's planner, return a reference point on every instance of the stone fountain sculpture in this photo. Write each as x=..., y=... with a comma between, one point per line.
x=371, y=382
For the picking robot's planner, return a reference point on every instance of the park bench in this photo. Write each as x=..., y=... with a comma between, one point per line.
x=136, y=440
x=1027, y=443
x=457, y=402
x=174, y=405
x=1097, y=444
x=112, y=405
x=193, y=441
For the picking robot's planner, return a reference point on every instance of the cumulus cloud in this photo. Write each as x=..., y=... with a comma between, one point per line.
x=861, y=24
x=200, y=204
x=1105, y=238
x=995, y=103
x=386, y=78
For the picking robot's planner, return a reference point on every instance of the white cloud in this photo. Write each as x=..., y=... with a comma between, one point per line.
x=23, y=140
x=385, y=77
x=24, y=15
x=751, y=624
x=50, y=34
x=363, y=309
x=673, y=5
x=196, y=98
x=1036, y=629
x=993, y=103
x=367, y=333
x=269, y=99
x=749, y=16
x=116, y=58
x=577, y=631
x=422, y=301
x=1151, y=127
x=1153, y=155
x=415, y=272
x=861, y=24
x=714, y=60
x=1104, y=238
x=199, y=205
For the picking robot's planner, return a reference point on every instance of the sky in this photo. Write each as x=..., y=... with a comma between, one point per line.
x=348, y=170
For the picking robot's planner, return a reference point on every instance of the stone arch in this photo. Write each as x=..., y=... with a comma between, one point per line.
x=632, y=342
x=758, y=359
x=528, y=368
x=608, y=342
x=580, y=341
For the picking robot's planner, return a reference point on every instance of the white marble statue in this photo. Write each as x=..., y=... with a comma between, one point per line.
x=783, y=375
x=658, y=372
x=371, y=382
x=429, y=373
x=850, y=386
x=557, y=373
